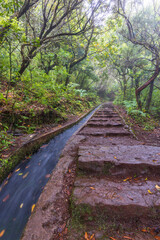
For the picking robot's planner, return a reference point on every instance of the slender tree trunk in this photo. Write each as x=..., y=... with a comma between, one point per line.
x=10, y=68
x=124, y=87
x=139, y=90
x=68, y=76
x=149, y=99
x=138, y=95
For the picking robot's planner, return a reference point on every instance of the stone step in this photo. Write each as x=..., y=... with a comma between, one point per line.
x=105, y=115
x=106, y=111
x=114, y=131
x=116, y=200
x=104, y=124
x=105, y=119
x=120, y=160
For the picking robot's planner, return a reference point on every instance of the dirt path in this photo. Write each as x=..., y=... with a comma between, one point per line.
x=115, y=194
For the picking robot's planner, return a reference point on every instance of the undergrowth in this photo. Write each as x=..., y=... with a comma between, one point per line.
x=141, y=117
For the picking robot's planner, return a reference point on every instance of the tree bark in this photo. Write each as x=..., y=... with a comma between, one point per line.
x=148, y=103
x=139, y=90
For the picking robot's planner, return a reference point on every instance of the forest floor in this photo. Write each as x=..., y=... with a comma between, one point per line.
x=113, y=194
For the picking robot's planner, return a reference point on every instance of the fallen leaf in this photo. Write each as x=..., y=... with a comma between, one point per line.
x=28, y=166
x=157, y=237
x=92, y=236
x=92, y=188
x=150, y=192
x=128, y=238
x=9, y=175
x=20, y=174
x=33, y=206
x=25, y=175
x=146, y=179
x=130, y=197
x=136, y=179
x=69, y=170
x=86, y=236
x=129, y=178
x=112, y=238
x=6, y=198
x=154, y=160
x=2, y=233
x=115, y=157
x=5, y=182
x=21, y=205
x=144, y=230
x=157, y=187
x=44, y=146
x=48, y=176
x=17, y=170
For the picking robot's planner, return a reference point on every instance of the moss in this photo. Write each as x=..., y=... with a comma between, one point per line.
x=107, y=167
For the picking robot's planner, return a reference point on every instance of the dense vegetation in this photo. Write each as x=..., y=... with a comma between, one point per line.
x=61, y=57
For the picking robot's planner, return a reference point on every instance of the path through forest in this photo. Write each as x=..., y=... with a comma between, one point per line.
x=118, y=180
x=116, y=191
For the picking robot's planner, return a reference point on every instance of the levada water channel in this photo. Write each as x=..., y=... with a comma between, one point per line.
x=27, y=182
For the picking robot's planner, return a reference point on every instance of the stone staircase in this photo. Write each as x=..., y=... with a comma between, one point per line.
x=118, y=176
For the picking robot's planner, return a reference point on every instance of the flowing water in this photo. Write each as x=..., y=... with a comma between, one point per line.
x=19, y=194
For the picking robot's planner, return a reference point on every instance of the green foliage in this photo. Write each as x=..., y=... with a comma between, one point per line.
x=5, y=139
x=141, y=117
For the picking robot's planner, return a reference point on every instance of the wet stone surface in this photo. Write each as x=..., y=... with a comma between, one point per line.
x=117, y=199
x=120, y=160
x=118, y=179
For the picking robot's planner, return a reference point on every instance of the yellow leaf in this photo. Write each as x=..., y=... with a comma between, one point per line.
x=157, y=187
x=21, y=205
x=2, y=232
x=92, y=236
x=92, y=188
x=150, y=192
x=20, y=174
x=146, y=179
x=17, y=170
x=5, y=182
x=25, y=175
x=115, y=157
x=33, y=206
x=128, y=178
x=86, y=236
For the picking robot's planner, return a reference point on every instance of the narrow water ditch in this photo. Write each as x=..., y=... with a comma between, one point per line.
x=19, y=194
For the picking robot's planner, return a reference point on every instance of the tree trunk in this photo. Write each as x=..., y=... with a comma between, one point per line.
x=139, y=90
x=124, y=87
x=138, y=100
x=67, y=78
x=149, y=99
